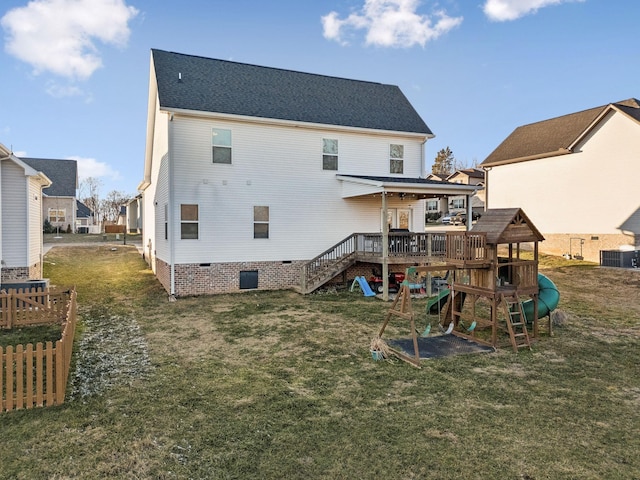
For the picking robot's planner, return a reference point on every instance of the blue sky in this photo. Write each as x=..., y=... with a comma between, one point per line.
x=75, y=72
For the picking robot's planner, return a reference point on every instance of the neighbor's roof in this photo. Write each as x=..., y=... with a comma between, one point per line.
x=82, y=211
x=188, y=82
x=506, y=225
x=62, y=173
x=555, y=136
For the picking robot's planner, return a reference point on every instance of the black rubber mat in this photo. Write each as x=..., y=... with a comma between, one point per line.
x=438, y=346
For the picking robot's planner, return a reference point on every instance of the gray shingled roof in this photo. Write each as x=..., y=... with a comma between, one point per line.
x=209, y=85
x=552, y=136
x=82, y=211
x=62, y=173
x=423, y=181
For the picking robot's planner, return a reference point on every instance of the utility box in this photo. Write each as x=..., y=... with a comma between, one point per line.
x=619, y=258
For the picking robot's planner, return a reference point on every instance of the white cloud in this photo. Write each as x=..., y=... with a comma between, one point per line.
x=390, y=23
x=90, y=167
x=58, y=35
x=60, y=91
x=504, y=10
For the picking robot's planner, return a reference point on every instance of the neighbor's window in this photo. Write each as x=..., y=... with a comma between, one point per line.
x=221, y=145
x=329, y=154
x=432, y=205
x=57, y=215
x=458, y=203
x=396, y=154
x=188, y=221
x=260, y=222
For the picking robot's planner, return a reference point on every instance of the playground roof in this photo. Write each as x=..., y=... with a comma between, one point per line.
x=507, y=225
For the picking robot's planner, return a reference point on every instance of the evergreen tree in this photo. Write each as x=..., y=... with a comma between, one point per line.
x=443, y=163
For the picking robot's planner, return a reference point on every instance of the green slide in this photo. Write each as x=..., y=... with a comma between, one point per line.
x=548, y=298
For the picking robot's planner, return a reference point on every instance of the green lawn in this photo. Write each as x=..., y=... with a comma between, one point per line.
x=277, y=385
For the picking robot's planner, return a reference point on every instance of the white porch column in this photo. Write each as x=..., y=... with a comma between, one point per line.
x=385, y=249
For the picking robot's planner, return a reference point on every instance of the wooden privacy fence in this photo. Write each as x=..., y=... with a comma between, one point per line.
x=37, y=376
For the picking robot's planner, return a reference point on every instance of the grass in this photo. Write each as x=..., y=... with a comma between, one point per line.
x=278, y=385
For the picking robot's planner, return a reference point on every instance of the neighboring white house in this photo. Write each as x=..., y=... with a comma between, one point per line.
x=134, y=215
x=576, y=177
x=468, y=176
x=251, y=172
x=59, y=204
x=21, y=249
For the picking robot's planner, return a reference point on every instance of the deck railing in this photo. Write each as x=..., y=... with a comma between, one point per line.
x=466, y=248
x=368, y=246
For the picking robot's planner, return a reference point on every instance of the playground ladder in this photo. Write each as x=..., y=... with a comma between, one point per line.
x=516, y=322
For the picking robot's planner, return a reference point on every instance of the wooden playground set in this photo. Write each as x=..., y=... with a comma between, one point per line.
x=491, y=288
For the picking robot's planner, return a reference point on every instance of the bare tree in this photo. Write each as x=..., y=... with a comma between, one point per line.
x=89, y=194
x=112, y=203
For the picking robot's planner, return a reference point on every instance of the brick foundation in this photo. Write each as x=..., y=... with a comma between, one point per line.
x=216, y=278
x=13, y=274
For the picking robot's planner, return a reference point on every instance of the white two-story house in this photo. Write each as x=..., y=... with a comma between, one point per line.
x=255, y=175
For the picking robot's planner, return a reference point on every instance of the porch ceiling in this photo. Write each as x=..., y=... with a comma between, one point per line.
x=358, y=186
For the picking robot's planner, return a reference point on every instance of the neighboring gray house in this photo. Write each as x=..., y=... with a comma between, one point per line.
x=21, y=249
x=59, y=203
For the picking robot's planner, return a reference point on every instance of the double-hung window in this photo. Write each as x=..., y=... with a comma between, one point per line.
x=221, y=145
x=329, y=154
x=260, y=222
x=188, y=221
x=57, y=214
x=396, y=162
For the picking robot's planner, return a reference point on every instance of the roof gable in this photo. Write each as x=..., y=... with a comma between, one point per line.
x=62, y=173
x=507, y=225
x=555, y=136
x=187, y=82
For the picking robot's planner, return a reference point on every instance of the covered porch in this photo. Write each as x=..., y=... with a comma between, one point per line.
x=400, y=246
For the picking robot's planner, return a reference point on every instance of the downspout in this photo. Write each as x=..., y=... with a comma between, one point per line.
x=423, y=167
x=486, y=187
x=469, y=213
x=171, y=210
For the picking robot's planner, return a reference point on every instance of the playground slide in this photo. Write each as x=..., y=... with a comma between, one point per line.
x=548, y=299
x=437, y=303
x=364, y=286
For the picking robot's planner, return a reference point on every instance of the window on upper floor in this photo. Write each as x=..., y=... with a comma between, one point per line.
x=57, y=215
x=329, y=154
x=396, y=154
x=221, y=145
x=260, y=222
x=188, y=221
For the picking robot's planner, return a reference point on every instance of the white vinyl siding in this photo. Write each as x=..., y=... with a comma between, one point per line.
x=274, y=165
x=35, y=221
x=14, y=215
